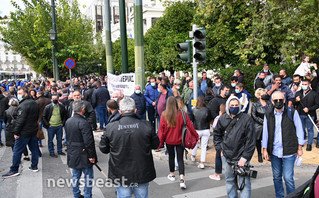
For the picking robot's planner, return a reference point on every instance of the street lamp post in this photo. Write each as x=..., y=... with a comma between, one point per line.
x=99, y=65
x=53, y=38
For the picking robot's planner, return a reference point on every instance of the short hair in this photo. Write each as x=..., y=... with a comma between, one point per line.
x=77, y=90
x=90, y=85
x=266, y=64
x=177, y=81
x=277, y=76
x=234, y=78
x=64, y=91
x=40, y=93
x=296, y=75
x=284, y=70
x=13, y=102
x=78, y=106
x=218, y=78
x=262, y=72
x=240, y=85
x=203, y=72
x=54, y=89
x=224, y=86
x=98, y=83
x=305, y=80
x=278, y=92
x=153, y=78
x=112, y=104
x=55, y=95
x=186, y=73
x=25, y=90
x=127, y=105
x=258, y=92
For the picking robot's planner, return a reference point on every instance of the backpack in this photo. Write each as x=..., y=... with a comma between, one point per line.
x=188, y=139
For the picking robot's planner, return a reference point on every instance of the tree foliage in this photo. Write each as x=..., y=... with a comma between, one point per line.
x=27, y=34
x=117, y=56
x=162, y=38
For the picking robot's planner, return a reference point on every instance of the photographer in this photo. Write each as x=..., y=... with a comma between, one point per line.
x=234, y=137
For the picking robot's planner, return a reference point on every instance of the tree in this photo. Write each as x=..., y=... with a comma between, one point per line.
x=117, y=56
x=27, y=34
x=169, y=30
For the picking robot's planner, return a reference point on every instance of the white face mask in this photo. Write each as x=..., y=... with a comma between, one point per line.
x=137, y=91
x=177, y=87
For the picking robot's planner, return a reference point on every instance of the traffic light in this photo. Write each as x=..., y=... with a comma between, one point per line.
x=187, y=51
x=200, y=45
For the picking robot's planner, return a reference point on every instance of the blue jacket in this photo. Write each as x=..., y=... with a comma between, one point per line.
x=100, y=96
x=151, y=95
x=199, y=93
x=140, y=103
x=244, y=98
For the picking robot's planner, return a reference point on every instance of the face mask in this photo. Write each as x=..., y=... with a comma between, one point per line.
x=237, y=91
x=233, y=84
x=314, y=74
x=115, y=99
x=55, y=101
x=227, y=94
x=20, y=97
x=304, y=87
x=235, y=74
x=234, y=110
x=159, y=91
x=177, y=87
x=217, y=84
x=153, y=84
x=264, y=97
x=138, y=91
x=279, y=104
x=266, y=71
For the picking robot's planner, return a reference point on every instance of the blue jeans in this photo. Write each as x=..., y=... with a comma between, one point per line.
x=230, y=183
x=140, y=191
x=88, y=181
x=40, y=126
x=4, y=128
x=102, y=114
x=58, y=132
x=283, y=167
x=151, y=115
x=306, y=122
x=218, y=163
x=141, y=116
x=19, y=146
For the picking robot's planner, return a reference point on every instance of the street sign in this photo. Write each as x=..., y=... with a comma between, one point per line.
x=69, y=63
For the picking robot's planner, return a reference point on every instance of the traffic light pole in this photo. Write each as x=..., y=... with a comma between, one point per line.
x=194, y=67
x=108, y=41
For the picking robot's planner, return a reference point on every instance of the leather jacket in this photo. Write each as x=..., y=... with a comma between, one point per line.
x=202, y=118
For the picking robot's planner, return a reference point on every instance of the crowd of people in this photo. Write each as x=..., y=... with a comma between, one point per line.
x=278, y=124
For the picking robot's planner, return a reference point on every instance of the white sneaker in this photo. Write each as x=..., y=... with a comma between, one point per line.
x=193, y=158
x=171, y=177
x=182, y=184
x=201, y=166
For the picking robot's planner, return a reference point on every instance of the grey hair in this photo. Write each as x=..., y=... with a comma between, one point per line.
x=278, y=92
x=127, y=105
x=78, y=106
x=138, y=86
x=13, y=102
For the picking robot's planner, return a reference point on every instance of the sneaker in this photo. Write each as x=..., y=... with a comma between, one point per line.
x=62, y=153
x=201, y=166
x=1, y=145
x=193, y=158
x=100, y=130
x=34, y=169
x=215, y=177
x=309, y=147
x=171, y=177
x=26, y=158
x=53, y=155
x=182, y=184
x=10, y=174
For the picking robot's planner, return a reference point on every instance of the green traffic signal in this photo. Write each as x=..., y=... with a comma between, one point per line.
x=200, y=45
x=187, y=51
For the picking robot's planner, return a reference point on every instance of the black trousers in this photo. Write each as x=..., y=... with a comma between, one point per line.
x=171, y=158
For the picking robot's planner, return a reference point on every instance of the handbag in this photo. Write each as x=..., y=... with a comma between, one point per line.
x=188, y=139
x=40, y=134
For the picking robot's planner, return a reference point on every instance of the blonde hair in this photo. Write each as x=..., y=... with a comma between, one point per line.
x=259, y=91
x=13, y=102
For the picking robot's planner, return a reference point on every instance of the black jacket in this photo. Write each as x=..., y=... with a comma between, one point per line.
x=100, y=96
x=89, y=113
x=47, y=113
x=26, y=123
x=140, y=103
x=310, y=100
x=202, y=118
x=4, y=105
x=130, y=141
x=259, y=84
x=258, y=113
x=214, y=105
x=80, y=139
x=10, y=116
x=88, y=95
x=115, y=116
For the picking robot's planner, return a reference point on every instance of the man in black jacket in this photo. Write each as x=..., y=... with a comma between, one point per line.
x=88, y=93
x=81, y=149
x=99, y=98
x=25, y=133
x=4, y=105
x=140, y=102
x=113, y=108
x=130, y=142
x=215, y=103
x=307, y=101
x=53, y=119
x=236, y=144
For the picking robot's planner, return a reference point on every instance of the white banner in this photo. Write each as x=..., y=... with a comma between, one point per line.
x=124, y=83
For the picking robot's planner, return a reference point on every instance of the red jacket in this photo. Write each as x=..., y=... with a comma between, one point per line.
x=173, y=135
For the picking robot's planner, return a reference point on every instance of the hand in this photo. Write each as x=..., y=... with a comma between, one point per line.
x=16, y=137
x=299, y=153
x=306, y=110
x=241, y=162
x=275, y=86
x=298, y=98
x=154, y=104
x=92, y=160
x=221, y=153
x=265, y=154
x=198, y=141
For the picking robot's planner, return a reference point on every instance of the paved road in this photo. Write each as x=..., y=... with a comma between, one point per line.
x=53, y=170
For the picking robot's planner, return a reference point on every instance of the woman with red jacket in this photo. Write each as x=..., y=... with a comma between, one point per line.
x=170, y=131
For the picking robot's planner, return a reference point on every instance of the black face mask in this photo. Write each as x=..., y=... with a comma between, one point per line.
x=227, y=94
x=279, y=104
x=264, y=97
x=55, y=101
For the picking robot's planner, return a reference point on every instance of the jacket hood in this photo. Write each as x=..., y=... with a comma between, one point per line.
x=228, y=101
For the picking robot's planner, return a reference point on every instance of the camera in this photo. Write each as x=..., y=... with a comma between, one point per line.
x=243, y=170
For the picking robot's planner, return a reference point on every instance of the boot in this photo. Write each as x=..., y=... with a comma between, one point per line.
x=309, y=147
x=317, y=145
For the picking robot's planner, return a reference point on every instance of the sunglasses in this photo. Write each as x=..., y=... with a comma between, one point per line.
x=278, y=100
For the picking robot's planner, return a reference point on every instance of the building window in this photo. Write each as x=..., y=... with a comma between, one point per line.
x=154, y=21
x=22, y=66
x=98, y=18
x=7, y=58
x=116, y=14
x=15, y=66
x=14, y=58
